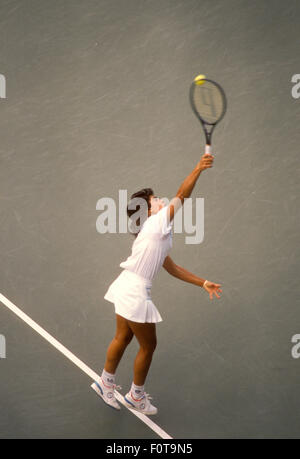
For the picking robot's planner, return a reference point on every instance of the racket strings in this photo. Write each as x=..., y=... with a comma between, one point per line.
x=209, y=102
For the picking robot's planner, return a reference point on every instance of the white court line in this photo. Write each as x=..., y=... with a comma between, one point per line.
x=160, y=432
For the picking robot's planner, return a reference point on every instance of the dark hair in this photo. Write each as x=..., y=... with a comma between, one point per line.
x=145, y=193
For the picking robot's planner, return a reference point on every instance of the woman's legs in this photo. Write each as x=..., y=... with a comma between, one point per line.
x=146, y=336
x=118, y=345
x=145, y=333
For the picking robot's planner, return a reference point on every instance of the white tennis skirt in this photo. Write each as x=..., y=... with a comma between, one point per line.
x=131, y=295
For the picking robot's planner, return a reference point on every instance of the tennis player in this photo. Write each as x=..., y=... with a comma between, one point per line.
x=136, y=315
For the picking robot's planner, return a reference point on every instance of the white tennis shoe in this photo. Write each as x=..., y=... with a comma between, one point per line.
x=142, y=404
x=106, y=392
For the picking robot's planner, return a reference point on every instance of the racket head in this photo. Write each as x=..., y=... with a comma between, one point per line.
x=208, y=101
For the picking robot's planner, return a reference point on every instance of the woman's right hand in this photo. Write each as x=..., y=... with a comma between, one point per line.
x=206, y=161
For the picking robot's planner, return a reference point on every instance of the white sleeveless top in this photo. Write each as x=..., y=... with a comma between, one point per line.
x=151, y=246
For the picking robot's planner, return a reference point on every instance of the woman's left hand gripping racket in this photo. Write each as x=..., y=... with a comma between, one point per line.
x=208, y=102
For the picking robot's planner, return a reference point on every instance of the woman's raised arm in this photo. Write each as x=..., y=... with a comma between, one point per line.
x=187, y=186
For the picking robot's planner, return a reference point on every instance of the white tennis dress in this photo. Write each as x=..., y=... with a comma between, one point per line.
x=131, y=290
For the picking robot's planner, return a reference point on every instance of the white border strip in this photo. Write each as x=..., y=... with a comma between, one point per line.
x=77, y=362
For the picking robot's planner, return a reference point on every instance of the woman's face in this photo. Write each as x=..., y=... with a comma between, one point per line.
x=156, y=204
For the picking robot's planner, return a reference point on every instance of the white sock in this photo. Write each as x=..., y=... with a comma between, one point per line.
x=108, y=378
x=137, y=391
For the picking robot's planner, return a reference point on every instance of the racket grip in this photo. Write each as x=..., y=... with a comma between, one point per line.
x=208, y=149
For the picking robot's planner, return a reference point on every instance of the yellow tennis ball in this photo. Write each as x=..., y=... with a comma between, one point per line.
x=199, y=79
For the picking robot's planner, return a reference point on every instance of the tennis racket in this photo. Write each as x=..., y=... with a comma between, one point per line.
x=209, y=104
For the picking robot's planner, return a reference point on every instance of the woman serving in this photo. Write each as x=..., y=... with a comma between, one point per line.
x=136, y=314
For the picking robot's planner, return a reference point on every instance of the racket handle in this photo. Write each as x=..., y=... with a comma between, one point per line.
x=208, y=149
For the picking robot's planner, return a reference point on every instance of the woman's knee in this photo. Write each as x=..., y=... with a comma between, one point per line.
x=124, y=339
x=149, y=347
